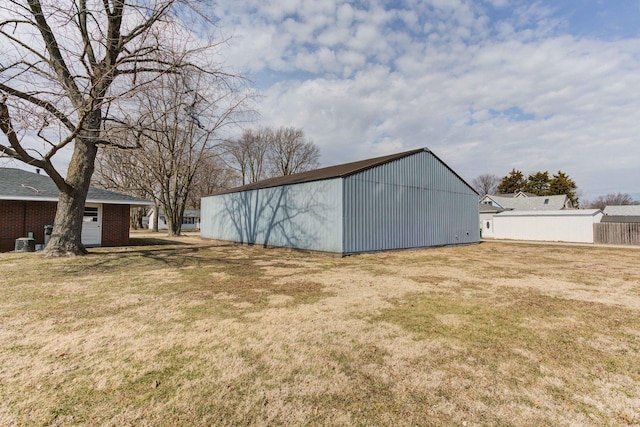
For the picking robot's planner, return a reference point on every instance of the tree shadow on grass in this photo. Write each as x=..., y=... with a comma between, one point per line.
x=175, y=253
x=168, y=252
x=155, y=241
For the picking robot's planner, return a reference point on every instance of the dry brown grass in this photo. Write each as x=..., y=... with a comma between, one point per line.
x=190, y=332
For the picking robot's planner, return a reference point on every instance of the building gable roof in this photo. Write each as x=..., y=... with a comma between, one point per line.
x=486, y=208
x=563, y=213
x=633, y=210
x=624, y=219
x=18, y=184
x=529, y=203
x=338, y=171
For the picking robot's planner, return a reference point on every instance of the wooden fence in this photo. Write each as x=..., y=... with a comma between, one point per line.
x=615, y=233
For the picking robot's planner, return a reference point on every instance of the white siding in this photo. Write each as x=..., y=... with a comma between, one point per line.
x=304, y=216
x=486, y=224
x=559, y=226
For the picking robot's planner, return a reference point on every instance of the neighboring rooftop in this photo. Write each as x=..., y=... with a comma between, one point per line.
x=633, y=210
x=625, y=219
x=188, y=213
x=516, y=194
x=18, y=184
x=338, y=171
x=485, y=208
x=563, y=212
x=528, y=203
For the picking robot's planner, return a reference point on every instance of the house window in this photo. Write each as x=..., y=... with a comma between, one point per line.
x=488, y=225
x=90, y=214
x=546, y=201
x=189, y=220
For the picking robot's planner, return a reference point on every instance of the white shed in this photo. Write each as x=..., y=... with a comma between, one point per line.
x=574, y=225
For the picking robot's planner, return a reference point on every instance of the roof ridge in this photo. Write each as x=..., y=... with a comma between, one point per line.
x=342, y=170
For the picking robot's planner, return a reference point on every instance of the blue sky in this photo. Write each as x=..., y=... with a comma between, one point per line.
x=487, y=85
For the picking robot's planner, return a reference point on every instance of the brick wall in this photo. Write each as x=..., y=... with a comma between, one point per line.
x=115, y=225
x=38, y=215
x=17, y=218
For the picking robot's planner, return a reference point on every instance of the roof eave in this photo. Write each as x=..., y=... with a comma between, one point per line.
x=383, y=160
x=121, y=202
x=97, y=201
x=29, y=198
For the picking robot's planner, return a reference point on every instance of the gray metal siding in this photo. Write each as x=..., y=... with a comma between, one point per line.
x=305, y=216
x=412, y=202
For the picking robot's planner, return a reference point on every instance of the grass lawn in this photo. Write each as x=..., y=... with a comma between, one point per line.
x=185, y=331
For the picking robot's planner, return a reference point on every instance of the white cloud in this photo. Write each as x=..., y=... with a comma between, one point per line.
x=485, y=93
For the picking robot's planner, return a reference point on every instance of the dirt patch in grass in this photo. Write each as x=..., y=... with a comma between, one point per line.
x=191, y=332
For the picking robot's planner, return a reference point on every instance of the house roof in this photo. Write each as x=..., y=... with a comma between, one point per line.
x=485, y=208
x=18, y=184
x=517, y=194
x=188, y=213
x=338, y=171
x=530, y=203
x=621, y=218
x=563, y=212
x=633, y=210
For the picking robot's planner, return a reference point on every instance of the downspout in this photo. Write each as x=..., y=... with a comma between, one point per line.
x=24, y=220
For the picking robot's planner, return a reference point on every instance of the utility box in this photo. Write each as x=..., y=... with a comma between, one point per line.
x=25, y=244
x=48, y=229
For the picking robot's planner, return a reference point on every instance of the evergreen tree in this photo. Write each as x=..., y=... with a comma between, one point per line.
x=512, y=183
x=562, y=184
x=538, y=183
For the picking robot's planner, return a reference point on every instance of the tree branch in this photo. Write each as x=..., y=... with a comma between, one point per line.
x=18, y=152
x=40, y=103
x=56, y=58
x=82, y=25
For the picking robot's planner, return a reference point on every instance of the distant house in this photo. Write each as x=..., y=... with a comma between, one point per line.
x=28, y=202
x=525, y=202
x=622, y=210
x=491, y=205
x=190, y=220
x=405, y=200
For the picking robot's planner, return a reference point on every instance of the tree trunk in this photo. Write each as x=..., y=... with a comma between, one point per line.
x=141, y=213
x=156, y=217
x=175, y=229
x=66, y=238
x=174, y=224
x=173, y=217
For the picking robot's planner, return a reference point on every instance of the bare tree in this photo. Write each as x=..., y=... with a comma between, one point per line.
x=115, y=171
x=69, y=67
x=290, y=152
x=612, y=199
x=486, y=184
x=212, y=176
x=179, y=118
x=265, y=153
x=248, y=154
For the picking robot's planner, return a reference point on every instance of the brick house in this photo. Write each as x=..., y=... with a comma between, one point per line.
x=28, y=202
